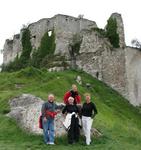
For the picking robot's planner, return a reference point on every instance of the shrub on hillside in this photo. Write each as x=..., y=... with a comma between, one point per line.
x=111, y=32
x=47, y=48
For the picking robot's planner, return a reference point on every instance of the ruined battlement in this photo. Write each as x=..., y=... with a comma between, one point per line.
x=117, y=67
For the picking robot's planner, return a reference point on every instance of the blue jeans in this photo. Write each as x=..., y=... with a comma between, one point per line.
x=48, y=130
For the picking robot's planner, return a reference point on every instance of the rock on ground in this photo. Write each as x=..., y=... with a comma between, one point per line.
x=26, y=109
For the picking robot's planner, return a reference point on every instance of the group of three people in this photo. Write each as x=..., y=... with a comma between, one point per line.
x=73, y=111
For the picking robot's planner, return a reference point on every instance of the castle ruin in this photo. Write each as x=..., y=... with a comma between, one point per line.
x=117, y=67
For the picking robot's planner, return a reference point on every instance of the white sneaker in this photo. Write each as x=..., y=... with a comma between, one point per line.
x=87, y=143
x=51, y=143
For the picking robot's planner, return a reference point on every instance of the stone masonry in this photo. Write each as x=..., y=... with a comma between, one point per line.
x=119, y=68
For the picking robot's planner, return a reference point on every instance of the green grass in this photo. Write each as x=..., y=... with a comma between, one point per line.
x=117, y=120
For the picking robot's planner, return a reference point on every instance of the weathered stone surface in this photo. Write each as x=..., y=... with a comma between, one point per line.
x=133, y=73
x=26, y=109
x=107, y=66
x=11, y=49
x=119, y=68
x=64, y=27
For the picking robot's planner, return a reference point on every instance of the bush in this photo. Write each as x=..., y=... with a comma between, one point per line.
x=102, y=32
x=47, y=48
x=111, y=32
x=75, y=45
x=24, y=59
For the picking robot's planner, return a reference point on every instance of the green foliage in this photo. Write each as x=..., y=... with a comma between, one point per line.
x=47, y=48
x=76, y=43
x=26, y=50
x=119, y=122
x=53, y=61
x=12, y=66
x=26, y=44
x=111, y=32
x=24, y=59
x=102, y=32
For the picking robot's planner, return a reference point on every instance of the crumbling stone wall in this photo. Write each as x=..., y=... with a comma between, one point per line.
x=64, y=28
x=119, y=68
x=133, y=73
x=12, y=48
x=98, y=59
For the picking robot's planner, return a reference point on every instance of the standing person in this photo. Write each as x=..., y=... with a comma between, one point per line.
x=73, y=93
x=88, y=111
x=48, y=115
x=72, y=121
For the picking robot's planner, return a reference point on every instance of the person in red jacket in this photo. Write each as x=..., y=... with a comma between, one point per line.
x=73, y=93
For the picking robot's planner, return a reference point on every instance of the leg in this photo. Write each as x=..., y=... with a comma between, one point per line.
x=70, y=139
x=71, y=131
x=76, y=130
x=45, y=131
x=88, y=128
x=84, y=125
x=51, y=131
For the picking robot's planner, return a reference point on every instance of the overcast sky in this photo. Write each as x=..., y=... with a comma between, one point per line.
x=15, y=13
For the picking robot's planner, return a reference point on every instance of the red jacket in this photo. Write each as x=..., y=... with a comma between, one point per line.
x=51, y=114
x=77, y=97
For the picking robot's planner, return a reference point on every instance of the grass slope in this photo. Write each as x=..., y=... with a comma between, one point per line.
x=119, y=122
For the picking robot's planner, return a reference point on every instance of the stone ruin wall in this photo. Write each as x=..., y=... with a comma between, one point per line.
x=64, y=27
x=133, y=73
x=119, y=68
x=97, y=59
x=11, y=49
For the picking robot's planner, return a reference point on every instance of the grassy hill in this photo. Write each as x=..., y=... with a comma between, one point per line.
x=119, y=122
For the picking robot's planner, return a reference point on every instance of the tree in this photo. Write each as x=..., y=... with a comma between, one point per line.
x=111, y=32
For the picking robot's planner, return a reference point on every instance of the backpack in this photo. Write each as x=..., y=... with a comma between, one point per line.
x=40, y=122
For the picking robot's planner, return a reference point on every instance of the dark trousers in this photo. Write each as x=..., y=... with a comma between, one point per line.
x=73, y=132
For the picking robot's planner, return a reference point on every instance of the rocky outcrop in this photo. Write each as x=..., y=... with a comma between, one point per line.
x=98, y=58
x=26, y=109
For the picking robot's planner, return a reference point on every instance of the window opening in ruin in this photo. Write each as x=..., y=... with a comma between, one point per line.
x=49, y=33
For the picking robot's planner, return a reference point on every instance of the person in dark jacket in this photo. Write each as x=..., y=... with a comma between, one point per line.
x=72, y=121
x=48, y=115
x=73, y=93
x=88, y=112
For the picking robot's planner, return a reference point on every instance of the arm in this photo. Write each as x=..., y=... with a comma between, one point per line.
x=66, y=96
x=95, y=109
x=64, y=110
x=78, y=99
x=59, y=106
x=43, y=110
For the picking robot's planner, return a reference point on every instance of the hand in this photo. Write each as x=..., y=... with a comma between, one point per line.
x=58, y=111
x=45, y=119
x=93, y=115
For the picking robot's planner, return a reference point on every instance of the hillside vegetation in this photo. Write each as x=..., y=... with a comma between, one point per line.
x=117, y=120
